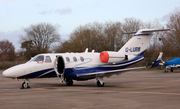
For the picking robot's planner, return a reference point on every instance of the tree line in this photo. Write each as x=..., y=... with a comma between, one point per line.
x=108, y=36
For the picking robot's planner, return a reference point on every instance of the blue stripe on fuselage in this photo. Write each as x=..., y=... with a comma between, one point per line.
x=72, y=73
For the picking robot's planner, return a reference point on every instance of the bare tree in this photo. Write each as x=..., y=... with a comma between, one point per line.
x=7, y=52
x=38, y=38
x=171, y=39
x=107, y=36
x=155, y=46
x=95, y=36
x=113, y=35
x=131, y=25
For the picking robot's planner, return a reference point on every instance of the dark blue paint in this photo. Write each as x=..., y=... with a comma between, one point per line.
x=73, y=72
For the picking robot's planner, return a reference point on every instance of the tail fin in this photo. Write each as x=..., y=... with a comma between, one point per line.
x=139, y=42
x=158, y=60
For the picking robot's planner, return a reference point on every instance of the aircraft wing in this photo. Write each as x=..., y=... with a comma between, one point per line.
x=108, y=73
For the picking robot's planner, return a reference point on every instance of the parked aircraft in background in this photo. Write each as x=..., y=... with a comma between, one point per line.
x=84, y=66
x=172, y=64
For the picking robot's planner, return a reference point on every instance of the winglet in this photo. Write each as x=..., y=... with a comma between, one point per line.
x=158, y=60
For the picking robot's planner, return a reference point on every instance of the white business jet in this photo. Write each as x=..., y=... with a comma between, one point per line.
x=84, y=66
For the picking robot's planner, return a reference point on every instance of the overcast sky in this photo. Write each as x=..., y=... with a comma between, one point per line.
x=15, y=15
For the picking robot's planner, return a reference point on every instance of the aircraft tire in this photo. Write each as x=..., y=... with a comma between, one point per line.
x=171, y=69
x=25, y=85
x=99, y=84
x=69, y=82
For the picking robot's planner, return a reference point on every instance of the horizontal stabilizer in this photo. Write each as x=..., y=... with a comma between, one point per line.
x=130, y=32
x=147, y=30
x=154, y=30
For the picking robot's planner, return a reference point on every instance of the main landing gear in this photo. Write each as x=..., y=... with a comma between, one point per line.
x=69, y=82
x=25, y=85
x=100, y=82
x=171, y=69
x=166, y=70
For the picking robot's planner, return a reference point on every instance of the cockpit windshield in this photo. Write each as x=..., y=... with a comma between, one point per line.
x=38, y=58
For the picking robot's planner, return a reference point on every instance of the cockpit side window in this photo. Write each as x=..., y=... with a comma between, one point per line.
x=38, y=58
x=48, y=59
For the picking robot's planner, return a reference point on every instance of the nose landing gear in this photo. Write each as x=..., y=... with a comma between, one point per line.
x=25, y=85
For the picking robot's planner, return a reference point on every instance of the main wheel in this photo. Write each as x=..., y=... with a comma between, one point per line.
x=25, y=85
x=99, y=84
x=69, y=82
x=171, y=69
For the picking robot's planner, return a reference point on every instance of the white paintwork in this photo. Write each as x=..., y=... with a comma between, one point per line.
x=135, y=46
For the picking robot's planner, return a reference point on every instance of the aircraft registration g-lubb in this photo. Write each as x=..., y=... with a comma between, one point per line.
x=172, y=64
x=84, y=66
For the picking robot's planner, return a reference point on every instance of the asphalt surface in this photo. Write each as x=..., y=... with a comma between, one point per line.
x=131, y=90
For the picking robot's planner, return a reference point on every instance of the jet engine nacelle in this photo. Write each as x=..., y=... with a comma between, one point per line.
x=112, y=57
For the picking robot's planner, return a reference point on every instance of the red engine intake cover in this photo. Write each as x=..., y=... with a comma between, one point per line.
x=104, y=56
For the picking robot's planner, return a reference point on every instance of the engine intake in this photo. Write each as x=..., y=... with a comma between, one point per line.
x=112, y=57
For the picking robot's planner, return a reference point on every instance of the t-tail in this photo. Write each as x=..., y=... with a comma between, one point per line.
x=139, y=42
x=136, y=46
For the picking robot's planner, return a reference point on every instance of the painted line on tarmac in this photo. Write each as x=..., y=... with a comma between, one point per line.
x=158, y=93
x=115, y=92
x=109, y=92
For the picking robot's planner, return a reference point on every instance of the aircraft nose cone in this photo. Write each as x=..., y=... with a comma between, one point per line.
x=12, y=72
x=6, y=73
x=15, y=71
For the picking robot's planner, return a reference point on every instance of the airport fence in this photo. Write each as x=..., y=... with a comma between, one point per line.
x=146, y=62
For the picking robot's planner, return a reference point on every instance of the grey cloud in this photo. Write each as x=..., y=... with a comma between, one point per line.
x=167, y=16
x=45, y=12
x=59, y=11
x=63, y=11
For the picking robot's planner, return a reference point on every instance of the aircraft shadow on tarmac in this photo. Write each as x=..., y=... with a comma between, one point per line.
x=56, y=85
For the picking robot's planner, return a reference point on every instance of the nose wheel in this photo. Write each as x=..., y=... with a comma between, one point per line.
x=25, y=85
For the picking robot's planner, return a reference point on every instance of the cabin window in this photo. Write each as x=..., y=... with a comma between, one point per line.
x=82, y=59
x=48, y=59
x=67, y=59
x=39, y=58
x=75, y=59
